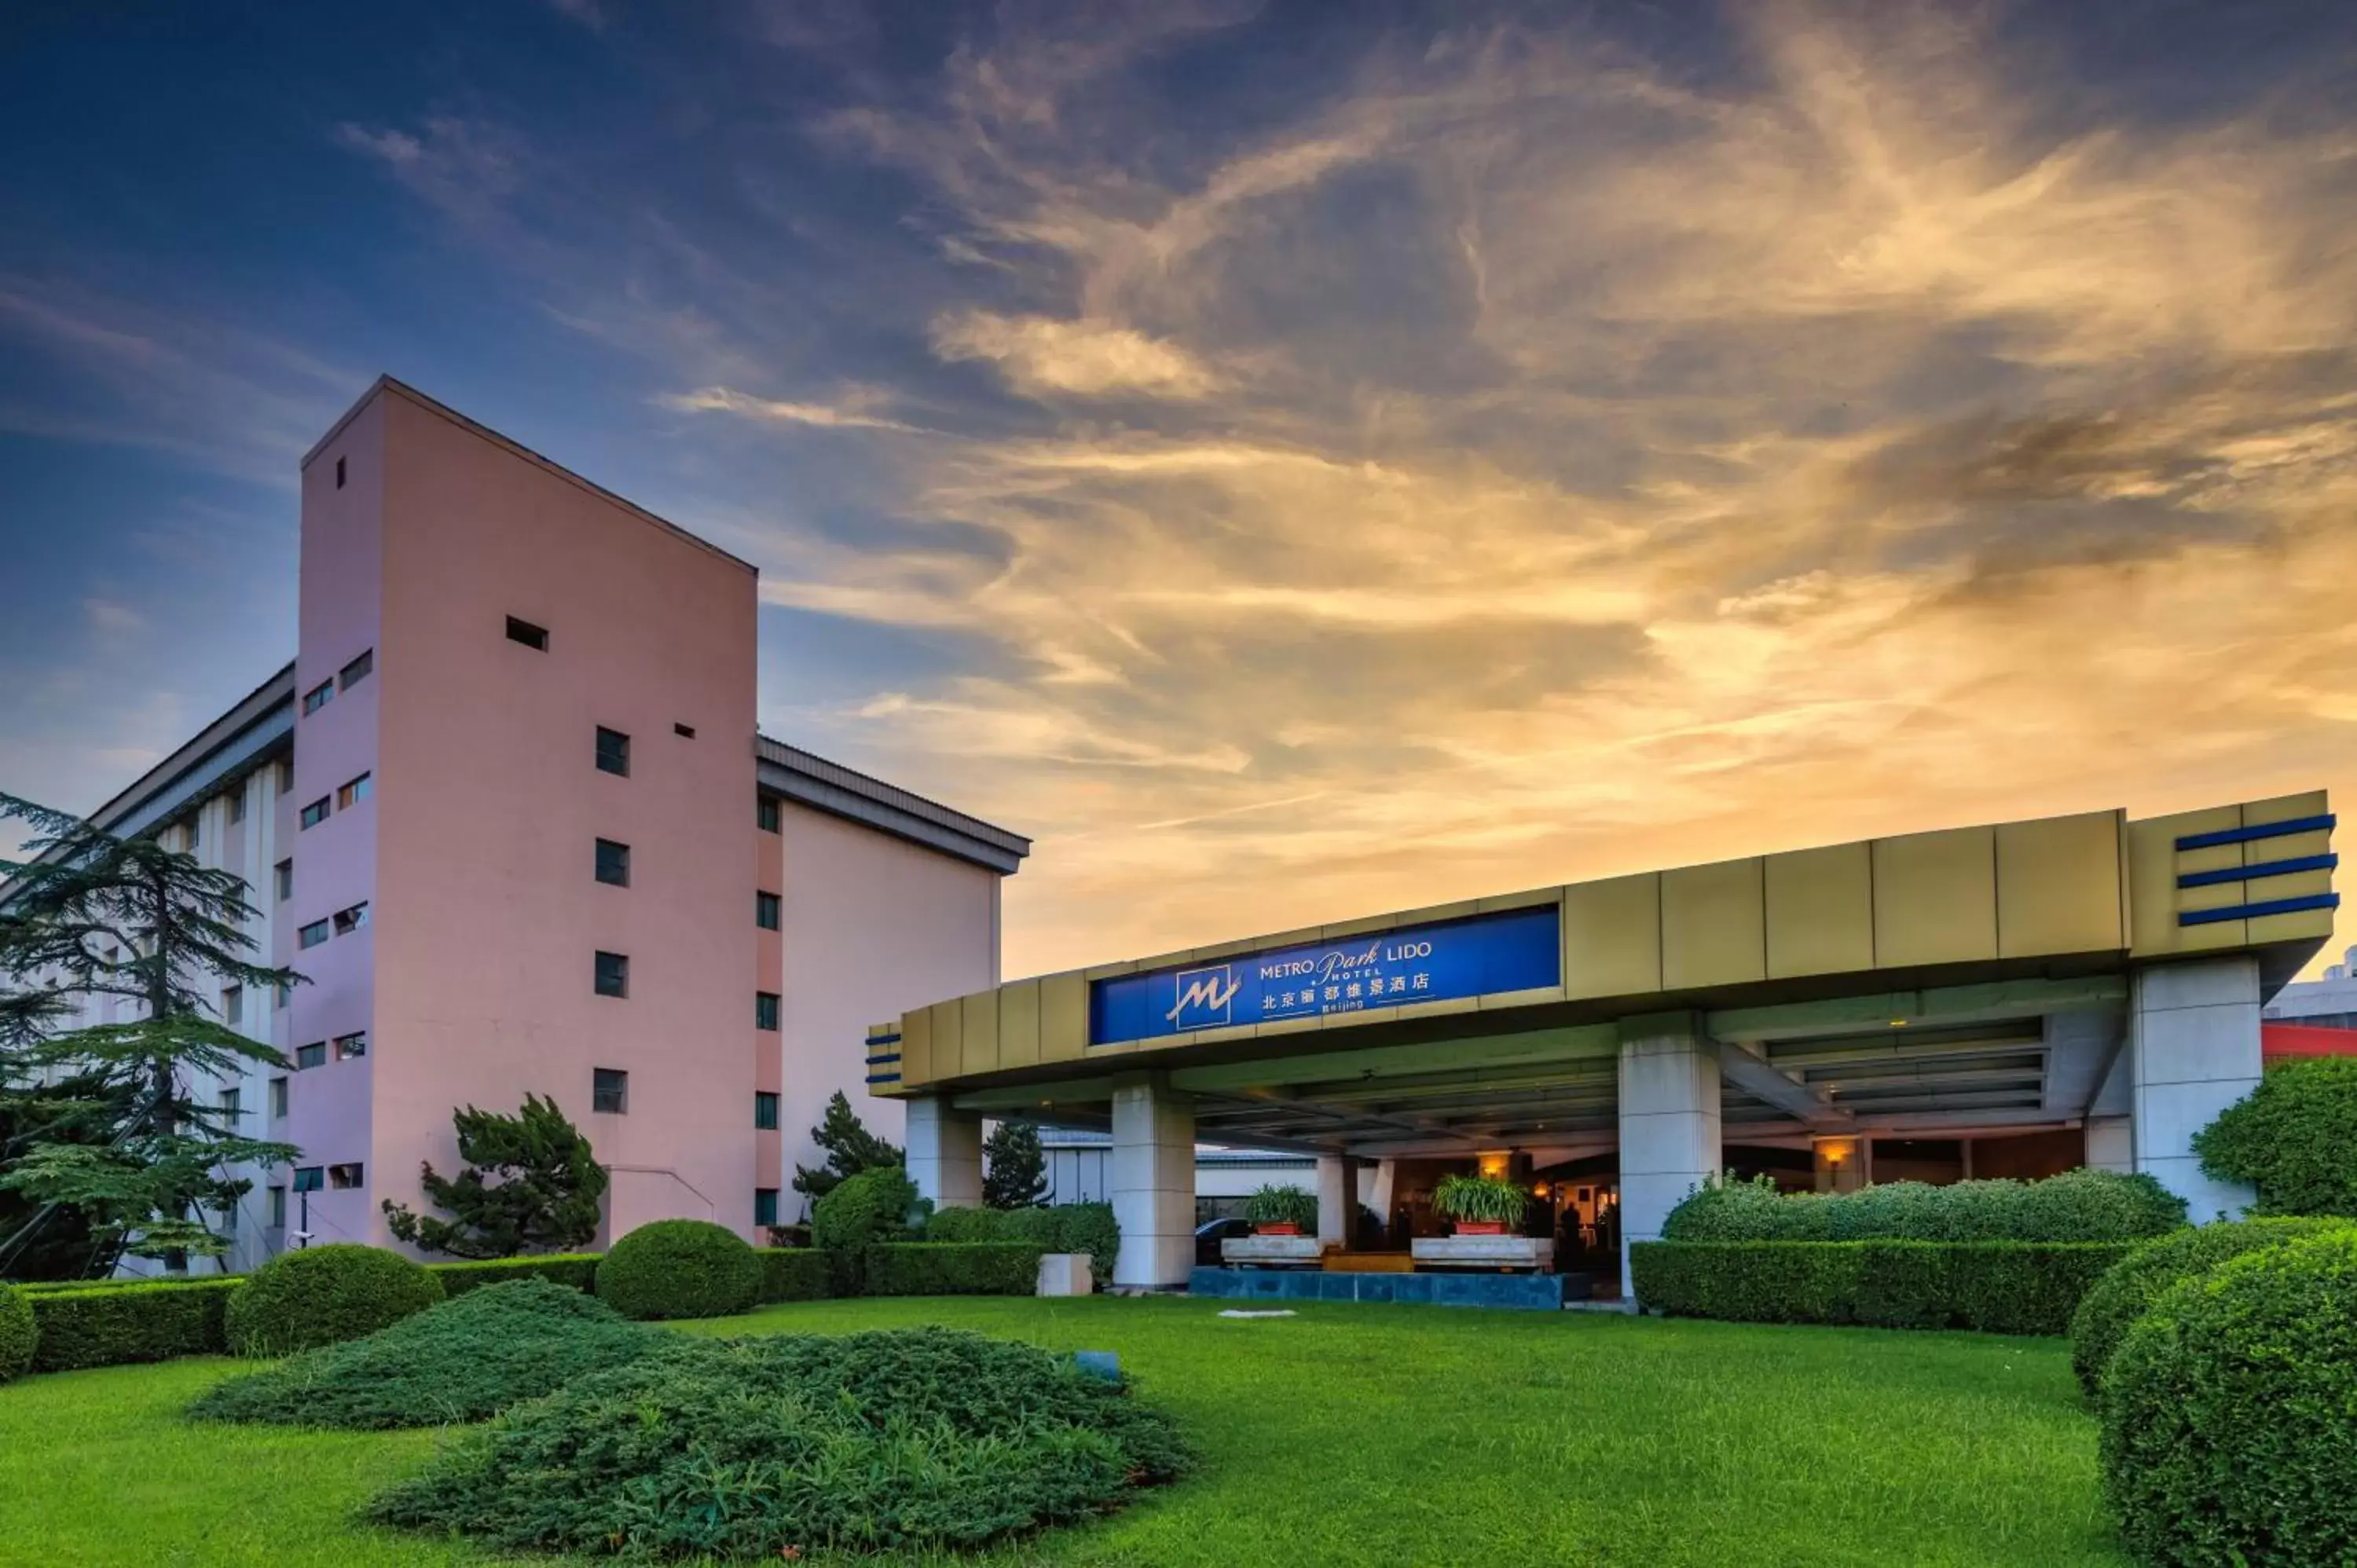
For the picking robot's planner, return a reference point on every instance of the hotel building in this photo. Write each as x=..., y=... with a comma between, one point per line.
x=508, y=814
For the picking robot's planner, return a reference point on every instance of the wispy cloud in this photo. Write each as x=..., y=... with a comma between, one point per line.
x=851, y=414
x=1041, y=357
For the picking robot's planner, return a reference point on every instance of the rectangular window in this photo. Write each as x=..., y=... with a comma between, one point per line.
x=352, y=920
x=233, y=1005
x=765, y=1009
x=279, y=1100
x=318, y=696
x=765, y=813
x=353, y=674
x=613, y=752
x=765, y=910
x=278, y=1208
x=613, y=863
x=237, y=802
x=307, y=1179
x=286, y=880
x=531, y=636
x=313, y=814
x=765, y=1206
x=286, y=775
x=684, y=732
x=354, y=793
x=196, y=826
x=344, y=1177
x=233, y=1107
x=765, y=1111
x=339, y=473
x=311, y=1056
x=609, y=1091
x=351, y=1045
x=229, y=1221
x=312, y=935
x=284, y=991
x=613, y=974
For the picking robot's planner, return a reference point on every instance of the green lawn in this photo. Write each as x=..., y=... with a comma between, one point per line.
x=1347, y=1435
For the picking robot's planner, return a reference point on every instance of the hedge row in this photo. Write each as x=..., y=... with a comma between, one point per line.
x=1999, y=1287
x=578, y=1269
x=2077, y=1206
x=1066, y=1227
x=108, y=1325
x=953, y=1268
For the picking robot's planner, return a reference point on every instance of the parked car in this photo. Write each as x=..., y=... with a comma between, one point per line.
x=1211, y=1232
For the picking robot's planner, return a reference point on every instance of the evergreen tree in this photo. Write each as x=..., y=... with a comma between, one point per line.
x=134, y=1153
x=1016, y=1176
x=544, y=1198
x=79, y=1108
x=850, y=1148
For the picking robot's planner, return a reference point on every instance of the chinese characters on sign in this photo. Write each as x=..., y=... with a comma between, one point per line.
x=1516, y=950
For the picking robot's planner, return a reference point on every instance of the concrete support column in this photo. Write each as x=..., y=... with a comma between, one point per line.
x=1669, y=1122
x=2193, y=1049
x=1338, y=1199
x=1153, y=1183
x=2111, y=1143
x=944, y=1152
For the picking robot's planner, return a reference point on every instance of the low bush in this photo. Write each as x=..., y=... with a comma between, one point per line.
x=680, y=1268
x=2230, y=1412
x=464, y=1360
x=2076, y=1205
x=2131, y=1286
x=578, y=1269
x=2290, y=1138
x=1067, y=1228
x=114, y=1325
x=1999, y=1287
x=874, y=1205
x=776, y=1447
x=795, y=1274
x=17, y=1334
x=953, y=1268
x=324, y=1295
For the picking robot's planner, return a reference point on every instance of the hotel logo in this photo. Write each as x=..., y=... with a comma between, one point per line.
x=1203, y=997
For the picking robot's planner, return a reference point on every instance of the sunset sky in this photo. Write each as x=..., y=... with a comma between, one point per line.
x=1291, y=461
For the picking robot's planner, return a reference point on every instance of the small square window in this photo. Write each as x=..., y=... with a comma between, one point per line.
x=765, y=910
x=609, y=1091
x=613, y=863
x=613, y=974
x=531, y=636
x=311, y=1056
x=278, y=1098
x=285, y=873
x=352, y=920
x=613, y=752
x=307, y=1179
x=354, y=793
x=278, y=1208
x=344, y=1177
x=313, y=814
x=765, y=1009
x=312, y=935
x=765, y=1111
x=318, y=696
x=358, y=670
x=765, y=1206
x=765, y=813
x=684, y=732
x=237, y=802
x=351, y=1045
x=232, y=1005
x=339, y=473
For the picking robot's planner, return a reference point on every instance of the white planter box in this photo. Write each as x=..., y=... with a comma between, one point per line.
x=1483, y=1251
x=1274, y=1252
x=1065, y=1274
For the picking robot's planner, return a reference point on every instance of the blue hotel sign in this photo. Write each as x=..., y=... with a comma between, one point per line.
x=1517, y=950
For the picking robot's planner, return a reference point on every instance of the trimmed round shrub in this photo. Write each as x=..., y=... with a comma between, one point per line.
x=2230, y=1413
x=680, y=1268
x=2131, y=1286
x=2290, y=1138
x=875, y=1204
x=466, y=1359
x=772, y=1448
x=324, y=1295
x=17, y=1334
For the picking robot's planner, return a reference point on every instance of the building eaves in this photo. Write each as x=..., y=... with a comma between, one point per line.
x=814, y=781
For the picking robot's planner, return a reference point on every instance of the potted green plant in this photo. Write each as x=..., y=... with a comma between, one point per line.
x=1480, y=1205
x=1281, y=1211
